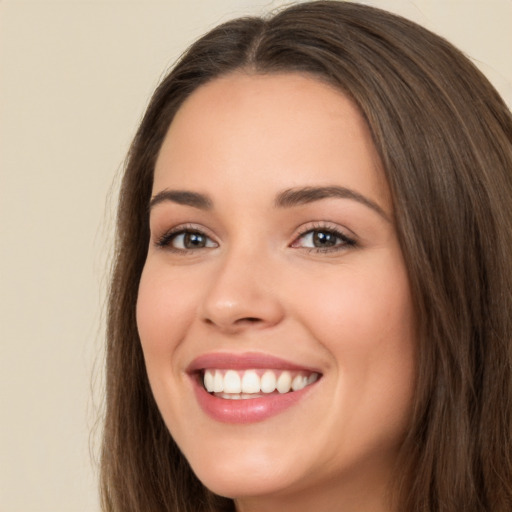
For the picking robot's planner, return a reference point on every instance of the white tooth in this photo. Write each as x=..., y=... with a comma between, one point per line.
x=232, y=382
x=218, y=382
x=268, y=382
x=312, y=378
x=299, y=382
x=250, y=382
x=284, y=382
x=208, y=381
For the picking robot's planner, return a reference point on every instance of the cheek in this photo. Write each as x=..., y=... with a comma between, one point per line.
x=365, y=320
x=164, y=309
x=362, y=309
x=164, y=314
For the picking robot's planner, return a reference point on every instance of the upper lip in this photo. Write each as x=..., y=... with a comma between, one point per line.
x=244, y=361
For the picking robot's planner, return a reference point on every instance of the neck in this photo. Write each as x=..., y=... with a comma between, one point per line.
x=366, y=489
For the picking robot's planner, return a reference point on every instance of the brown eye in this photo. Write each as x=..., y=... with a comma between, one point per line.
x=193, y=240
x=186, y=240
x=326, y=239
x=190, y=240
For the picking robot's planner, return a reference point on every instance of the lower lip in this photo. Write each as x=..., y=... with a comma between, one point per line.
x=250, y=410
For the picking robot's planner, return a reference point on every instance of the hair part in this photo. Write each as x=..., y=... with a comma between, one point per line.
x=445, y=140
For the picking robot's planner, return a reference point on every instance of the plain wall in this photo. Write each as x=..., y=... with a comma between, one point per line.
x=75, y=78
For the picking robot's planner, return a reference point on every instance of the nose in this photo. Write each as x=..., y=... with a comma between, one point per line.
x=242, y=295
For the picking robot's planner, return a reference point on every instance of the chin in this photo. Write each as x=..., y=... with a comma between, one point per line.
x=244, y=476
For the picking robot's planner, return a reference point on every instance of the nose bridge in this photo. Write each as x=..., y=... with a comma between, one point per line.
x=241, y=292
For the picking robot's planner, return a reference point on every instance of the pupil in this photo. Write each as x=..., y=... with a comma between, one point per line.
x=324, y=239
x=194, y=240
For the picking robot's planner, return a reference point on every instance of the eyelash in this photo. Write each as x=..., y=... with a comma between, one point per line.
x=343, y=241
x=165, y=241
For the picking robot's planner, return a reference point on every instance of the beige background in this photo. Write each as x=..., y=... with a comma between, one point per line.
x=75, y=77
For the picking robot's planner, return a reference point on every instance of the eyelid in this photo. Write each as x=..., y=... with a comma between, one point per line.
x=164, y=240
x=344, y=234
x=348, y=239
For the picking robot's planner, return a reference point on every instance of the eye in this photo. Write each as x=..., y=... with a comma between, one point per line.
x=186, y=240
x=323, y=240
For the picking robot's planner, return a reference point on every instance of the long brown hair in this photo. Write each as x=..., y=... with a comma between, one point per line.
x=445, y=139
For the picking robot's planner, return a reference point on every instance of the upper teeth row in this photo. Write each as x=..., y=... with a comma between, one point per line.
x=249, y=381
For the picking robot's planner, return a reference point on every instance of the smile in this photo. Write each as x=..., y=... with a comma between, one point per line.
x=249, y=387
x=250, y=384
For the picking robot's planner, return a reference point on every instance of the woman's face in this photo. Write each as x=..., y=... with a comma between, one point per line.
x=274, y=262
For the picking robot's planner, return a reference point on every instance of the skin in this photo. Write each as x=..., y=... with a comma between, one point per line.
x=260, y=285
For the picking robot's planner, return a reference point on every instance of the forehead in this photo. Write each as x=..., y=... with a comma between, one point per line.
x=285, y=129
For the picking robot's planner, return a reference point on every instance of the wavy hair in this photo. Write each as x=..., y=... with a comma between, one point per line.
x=445, y=140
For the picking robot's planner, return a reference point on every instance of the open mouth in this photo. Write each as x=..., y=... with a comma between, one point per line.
x=249, y=387
x=234, y=384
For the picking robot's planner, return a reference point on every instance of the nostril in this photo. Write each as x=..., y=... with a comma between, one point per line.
x=249, y=320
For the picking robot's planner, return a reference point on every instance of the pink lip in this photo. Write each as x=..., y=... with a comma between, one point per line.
x=250, y=410
x=245, y=361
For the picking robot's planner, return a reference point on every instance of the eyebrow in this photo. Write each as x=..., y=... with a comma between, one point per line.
x=299, y=196
x=286, y=199
x=184, y=197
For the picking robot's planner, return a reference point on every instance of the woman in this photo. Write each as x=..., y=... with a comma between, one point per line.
x=311, y=302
